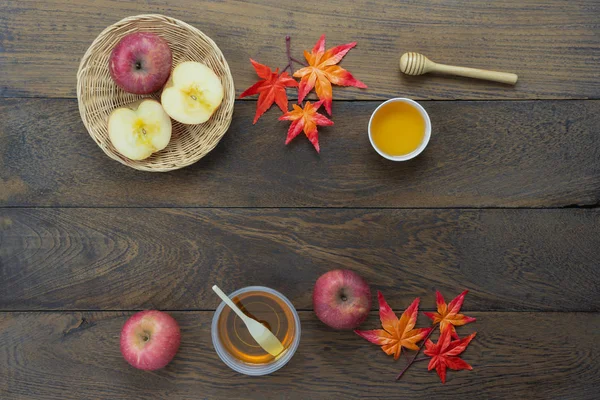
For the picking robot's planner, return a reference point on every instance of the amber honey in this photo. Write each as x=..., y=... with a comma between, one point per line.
x=398, y=128
x=264, y=307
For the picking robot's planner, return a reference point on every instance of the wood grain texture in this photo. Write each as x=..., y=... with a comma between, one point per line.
x=515, y=356
x=128, y=259
x=482, y=154
x=553, y=45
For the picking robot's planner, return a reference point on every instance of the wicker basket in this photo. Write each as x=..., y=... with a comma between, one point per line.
x=98, y=95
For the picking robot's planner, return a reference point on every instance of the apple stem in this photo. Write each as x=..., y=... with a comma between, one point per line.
x=414, y=359
x=291, y=60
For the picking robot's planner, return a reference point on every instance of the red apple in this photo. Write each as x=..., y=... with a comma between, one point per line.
x=150, y=339
x=342, y=299
x=141, y=63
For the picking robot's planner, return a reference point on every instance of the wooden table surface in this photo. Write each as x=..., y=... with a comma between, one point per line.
x=504, y=202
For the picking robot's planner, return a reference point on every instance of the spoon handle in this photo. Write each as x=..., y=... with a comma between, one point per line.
x=230, y=303
x=502, y=77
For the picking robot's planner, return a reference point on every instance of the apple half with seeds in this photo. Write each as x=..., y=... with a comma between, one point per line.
x=139, y=129
x=192, y=94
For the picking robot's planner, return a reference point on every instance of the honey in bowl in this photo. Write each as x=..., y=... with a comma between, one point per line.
x=265, y=308
x=398, y=128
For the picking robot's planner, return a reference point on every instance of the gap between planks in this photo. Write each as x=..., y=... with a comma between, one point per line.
x=590, y=206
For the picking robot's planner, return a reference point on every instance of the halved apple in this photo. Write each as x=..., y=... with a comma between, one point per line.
x=139, y=129
x=192, y=94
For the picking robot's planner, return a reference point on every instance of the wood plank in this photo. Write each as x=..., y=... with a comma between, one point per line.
x=124, y=259
x=553, y=45
x=76, y=355
x=482, y=154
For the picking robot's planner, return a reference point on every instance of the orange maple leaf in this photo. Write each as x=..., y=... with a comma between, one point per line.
x=322, y=71
x=270, y=89
x=447, y=315
x=396, y=333
x=306, y=119
x=444, y=353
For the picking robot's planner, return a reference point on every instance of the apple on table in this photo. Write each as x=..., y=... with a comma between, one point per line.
x=341, y=299
x=150, y=339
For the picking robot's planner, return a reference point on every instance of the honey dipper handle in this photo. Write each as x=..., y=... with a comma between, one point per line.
x=502, y=77
x=230, y=303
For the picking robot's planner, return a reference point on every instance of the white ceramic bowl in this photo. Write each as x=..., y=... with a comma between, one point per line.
x=426, y=138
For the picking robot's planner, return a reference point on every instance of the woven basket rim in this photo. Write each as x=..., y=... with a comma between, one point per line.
x=229, y=89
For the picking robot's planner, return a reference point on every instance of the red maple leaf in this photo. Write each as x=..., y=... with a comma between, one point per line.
x=444, y=354
x=270, y=89
x=306, y=119
x=447, y=315
x=322, y=71
x=396, y=332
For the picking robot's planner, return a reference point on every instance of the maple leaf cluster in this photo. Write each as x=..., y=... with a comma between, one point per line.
x=321, y=72
x=400, y=332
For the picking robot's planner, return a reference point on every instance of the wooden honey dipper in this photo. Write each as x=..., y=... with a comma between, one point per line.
x=417, y=64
